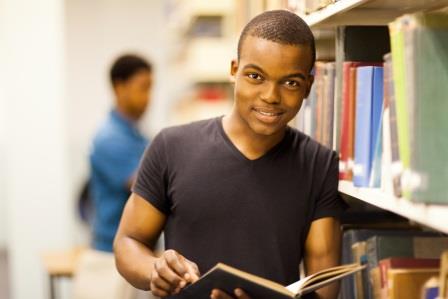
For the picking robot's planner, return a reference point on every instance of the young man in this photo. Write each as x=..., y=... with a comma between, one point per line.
x=117, y=149
x=118, y=146
x=244, y=189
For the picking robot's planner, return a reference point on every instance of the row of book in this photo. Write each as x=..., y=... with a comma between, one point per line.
x=382, y=106
x=399, y=264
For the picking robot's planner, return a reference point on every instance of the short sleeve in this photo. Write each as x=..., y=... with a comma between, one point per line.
x=329, y=202
x=151, y=183
x=115, y=160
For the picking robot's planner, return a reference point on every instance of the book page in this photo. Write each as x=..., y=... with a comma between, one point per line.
x=323, y=277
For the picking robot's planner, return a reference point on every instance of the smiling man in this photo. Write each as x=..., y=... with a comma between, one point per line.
x=244, y=189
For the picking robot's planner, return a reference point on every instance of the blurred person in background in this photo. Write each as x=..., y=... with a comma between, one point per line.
x=116, y=151
x=244, y=189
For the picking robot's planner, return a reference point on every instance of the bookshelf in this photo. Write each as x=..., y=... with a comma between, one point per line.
x=368, y=12
x=432, y=216
x=202, y=46
x=208, y=59
x=381, y=12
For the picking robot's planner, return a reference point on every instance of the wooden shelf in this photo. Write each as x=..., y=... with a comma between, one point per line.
x=368, y=12
x=434, y=216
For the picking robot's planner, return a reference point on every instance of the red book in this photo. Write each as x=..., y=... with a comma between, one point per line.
x=348, y=117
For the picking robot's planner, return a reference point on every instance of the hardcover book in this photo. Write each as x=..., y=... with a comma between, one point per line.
x=227, y=279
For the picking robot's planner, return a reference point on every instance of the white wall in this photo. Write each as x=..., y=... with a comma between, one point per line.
x=35, y=128
x=3, y=214
x=97, y=32
x=54, y=61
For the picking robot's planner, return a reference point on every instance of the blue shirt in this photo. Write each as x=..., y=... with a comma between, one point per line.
x=117, y=149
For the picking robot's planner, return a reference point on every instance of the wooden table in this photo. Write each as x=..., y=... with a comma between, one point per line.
x=60, y=264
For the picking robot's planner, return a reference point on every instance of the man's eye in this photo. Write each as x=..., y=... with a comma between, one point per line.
x=255, y=76
x=292, y=83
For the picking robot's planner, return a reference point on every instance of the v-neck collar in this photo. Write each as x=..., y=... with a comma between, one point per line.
x=237, y=153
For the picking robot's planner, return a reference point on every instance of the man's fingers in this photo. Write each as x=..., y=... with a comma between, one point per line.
x=160, y=283
x=183, y=267
x=158, y=292
x=193, y=272
x=166, y=273
x=240, y=294
x=176, y=262
x=218, y=294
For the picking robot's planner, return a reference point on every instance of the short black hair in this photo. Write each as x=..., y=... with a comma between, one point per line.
x=280, y=26
x=126, y=66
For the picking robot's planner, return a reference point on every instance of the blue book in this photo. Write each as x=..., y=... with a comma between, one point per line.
x=377, y=132
x=431, y=293
x=369, y=101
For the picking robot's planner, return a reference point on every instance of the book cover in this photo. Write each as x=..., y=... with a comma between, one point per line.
x=429, y=166
x=377, y=128
x=443, y=278
x=346, y=146
x=227, y=278
x=408, y=283
x=328, y=111
x=375, y=281
x=319, y=108
x=369, y=98
x=400, y=93
x=405, y=263
x=392, y=164
x=363, y=121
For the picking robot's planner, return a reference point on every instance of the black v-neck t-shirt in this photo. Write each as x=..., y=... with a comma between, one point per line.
x=222, y=207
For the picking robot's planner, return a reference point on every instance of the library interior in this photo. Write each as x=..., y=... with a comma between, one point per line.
x=93, y=91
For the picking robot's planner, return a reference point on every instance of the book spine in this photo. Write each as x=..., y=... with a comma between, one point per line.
x=399, y=77
x=364, y=93
x=376, y=135
x=396, y=166
x=345, y=125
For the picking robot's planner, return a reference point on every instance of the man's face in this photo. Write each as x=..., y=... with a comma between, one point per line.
x=134, y=93
x=271, y=81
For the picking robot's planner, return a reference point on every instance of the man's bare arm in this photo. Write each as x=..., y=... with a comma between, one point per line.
x=140, y=227
x=323, y=250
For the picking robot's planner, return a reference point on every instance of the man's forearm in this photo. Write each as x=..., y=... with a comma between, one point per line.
x=134, y=261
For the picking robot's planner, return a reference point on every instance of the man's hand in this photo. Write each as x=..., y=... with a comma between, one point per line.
x=218, y=294
x=172, y=272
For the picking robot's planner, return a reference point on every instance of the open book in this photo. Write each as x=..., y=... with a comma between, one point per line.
x=228, y=279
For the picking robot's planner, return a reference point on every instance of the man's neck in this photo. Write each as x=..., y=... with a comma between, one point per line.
x=123, y=113
x=249, y=143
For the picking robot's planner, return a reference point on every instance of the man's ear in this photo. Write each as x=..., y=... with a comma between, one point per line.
x=121, y=90
x=233, y=69
x=310, y=82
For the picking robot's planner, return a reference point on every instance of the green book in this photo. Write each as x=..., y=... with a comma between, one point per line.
x=429, y=164
x=400, y=89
